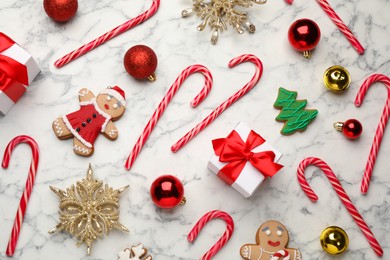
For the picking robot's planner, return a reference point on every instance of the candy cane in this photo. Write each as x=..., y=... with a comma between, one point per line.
x=29, y=185
x=281, y=254
x=222, y=241
x=381, y=126
x=341, y=25
x=342, y=195
x=164, y=103
x=226, y=104
x=108, y=35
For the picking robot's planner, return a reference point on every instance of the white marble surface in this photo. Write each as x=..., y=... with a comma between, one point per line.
x=178, y=45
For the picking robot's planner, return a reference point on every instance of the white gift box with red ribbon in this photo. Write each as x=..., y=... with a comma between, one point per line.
x=17, y=70
x=249, y=177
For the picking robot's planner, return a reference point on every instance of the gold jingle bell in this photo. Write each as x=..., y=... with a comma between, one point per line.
x=334, y=240
x=337, y=79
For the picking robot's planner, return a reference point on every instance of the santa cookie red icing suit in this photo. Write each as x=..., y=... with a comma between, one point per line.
x=94, y=116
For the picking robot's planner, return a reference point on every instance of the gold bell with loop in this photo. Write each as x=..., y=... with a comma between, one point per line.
x=334, y=240
x=337, y=79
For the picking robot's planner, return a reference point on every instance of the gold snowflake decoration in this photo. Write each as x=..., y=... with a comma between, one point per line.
x=219, y=13
x=88, y=211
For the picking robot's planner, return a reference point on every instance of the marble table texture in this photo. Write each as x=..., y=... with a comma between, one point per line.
x=178, y=44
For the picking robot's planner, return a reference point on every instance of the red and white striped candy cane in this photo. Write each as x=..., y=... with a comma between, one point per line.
x=29, y=185
x=108, y=35
x=281, y=254
x=381, y=126
x=342, y=195
x=164, y=103
x=225, y=237
x=341, y=25
x=226, y=104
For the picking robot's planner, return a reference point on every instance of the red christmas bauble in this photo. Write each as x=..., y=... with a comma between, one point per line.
x=352, y=129
x=141, y=62
x=167, y=191
x=304, y=35
x=60, y=10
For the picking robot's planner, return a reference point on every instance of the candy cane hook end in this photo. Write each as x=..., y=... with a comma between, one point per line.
x=206, y=87
x=190, y=238
x=5, y=163
x=243, y=58
x=358, y=103
x=225, y=237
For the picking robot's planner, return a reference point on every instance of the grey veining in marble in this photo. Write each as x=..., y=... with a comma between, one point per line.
x=178, y=44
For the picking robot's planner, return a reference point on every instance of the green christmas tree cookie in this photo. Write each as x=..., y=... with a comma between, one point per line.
x=293, y=113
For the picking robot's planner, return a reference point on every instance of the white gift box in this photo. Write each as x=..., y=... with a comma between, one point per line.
x=18, y=54
x=250, y=178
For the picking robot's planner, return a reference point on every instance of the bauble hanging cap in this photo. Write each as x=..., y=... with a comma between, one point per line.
x=117, y=93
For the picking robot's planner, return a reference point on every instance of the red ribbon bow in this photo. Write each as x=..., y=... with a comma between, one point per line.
x=9, y=66
x=237, y=153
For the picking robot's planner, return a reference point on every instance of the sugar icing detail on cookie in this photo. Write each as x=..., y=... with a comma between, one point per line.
x=293, y=112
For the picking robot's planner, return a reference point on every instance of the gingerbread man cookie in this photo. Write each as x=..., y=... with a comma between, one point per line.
x=96, y=114
x=271, y=242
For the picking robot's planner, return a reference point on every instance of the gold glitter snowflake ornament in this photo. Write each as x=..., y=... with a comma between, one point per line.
x=218, y=13
x=88, y=210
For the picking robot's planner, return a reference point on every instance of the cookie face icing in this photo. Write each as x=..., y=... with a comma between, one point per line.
x=274, y=234
x=293, y=113
x=271, y=243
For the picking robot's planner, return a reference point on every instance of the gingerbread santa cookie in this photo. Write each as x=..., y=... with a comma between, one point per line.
x=271, y=242
x=96, y=114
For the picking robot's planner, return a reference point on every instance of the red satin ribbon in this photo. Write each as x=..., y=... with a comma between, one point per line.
x=9, y=66
x=13, y=89
x=237, y=153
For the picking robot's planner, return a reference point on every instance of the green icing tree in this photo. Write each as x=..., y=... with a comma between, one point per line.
x=293, y=113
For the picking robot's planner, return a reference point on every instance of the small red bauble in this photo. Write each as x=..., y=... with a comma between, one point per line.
x=304, y=35
x=141, y=62
x=60, y=10
x=351, y=128
x=167, y=191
